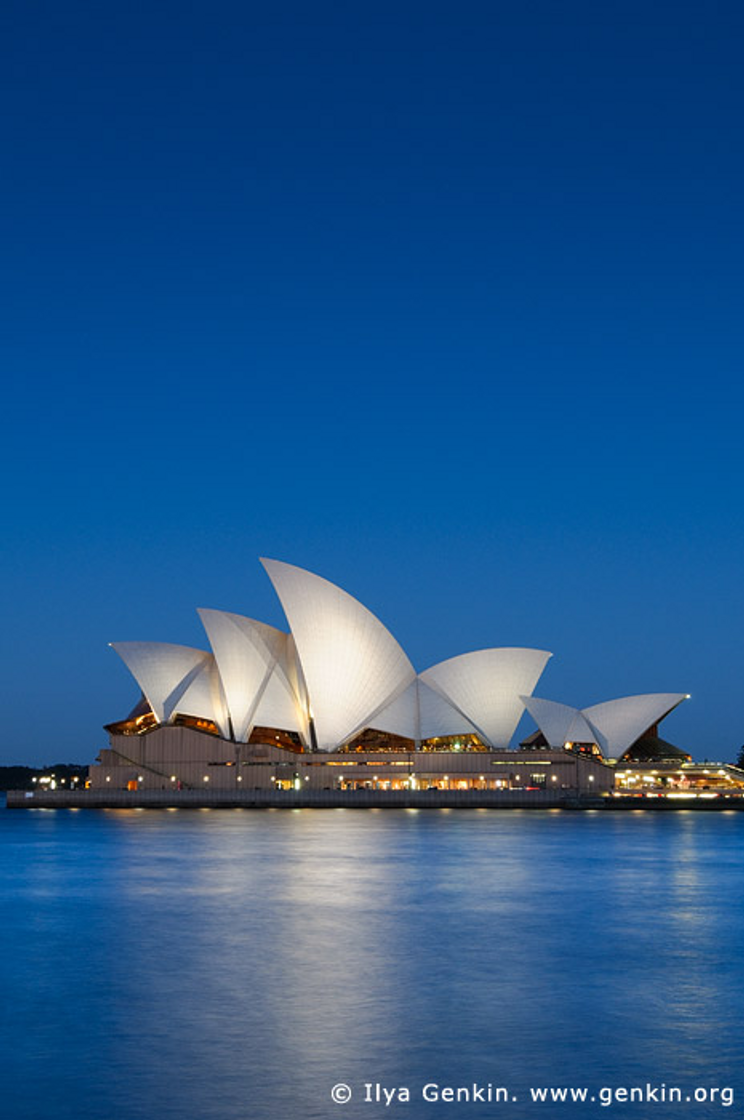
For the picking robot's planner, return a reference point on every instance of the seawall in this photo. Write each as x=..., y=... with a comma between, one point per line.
x=353, y=799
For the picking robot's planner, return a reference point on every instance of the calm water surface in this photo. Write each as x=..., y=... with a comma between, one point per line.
x=236, y=965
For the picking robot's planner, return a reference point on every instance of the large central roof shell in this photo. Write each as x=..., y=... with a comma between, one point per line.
x=351, y=663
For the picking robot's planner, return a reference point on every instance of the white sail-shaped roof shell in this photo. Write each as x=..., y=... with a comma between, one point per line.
x=352, y=665
x=163, y=671
x=620, y=722
x=581, y=731
x=439, y=718
x=613, y=725
x=204, y=698
x=246, y=652
x=487, y=686
x=559, y=723
x=402, y=716
x=290, y=671
x=420, y=713
x=279, y=707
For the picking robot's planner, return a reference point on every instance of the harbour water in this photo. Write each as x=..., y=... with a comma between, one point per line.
x=237, y=965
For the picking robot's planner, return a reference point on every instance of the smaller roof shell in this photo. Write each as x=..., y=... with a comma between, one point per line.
x=246, y=652
x=487, y=686
x=205, y=699
x=559, y=723
x=613, y=725
x=162, y=670
x=620, y=722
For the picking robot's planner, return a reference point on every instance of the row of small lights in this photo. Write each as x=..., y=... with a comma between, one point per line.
x=341, y=778
x=51, y=780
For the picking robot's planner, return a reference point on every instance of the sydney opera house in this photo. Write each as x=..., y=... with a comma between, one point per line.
x=334, y=703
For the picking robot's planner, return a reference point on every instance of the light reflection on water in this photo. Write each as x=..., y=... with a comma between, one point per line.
x=235, y=965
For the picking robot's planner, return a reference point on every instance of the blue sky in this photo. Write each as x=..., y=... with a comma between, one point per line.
x=443, y=302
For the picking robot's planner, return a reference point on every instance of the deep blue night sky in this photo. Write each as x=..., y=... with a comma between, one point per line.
x=443, y=302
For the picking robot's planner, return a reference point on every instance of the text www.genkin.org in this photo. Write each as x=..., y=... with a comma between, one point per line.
x=650, y=1093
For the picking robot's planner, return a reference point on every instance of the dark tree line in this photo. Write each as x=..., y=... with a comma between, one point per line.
x=22, y=777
